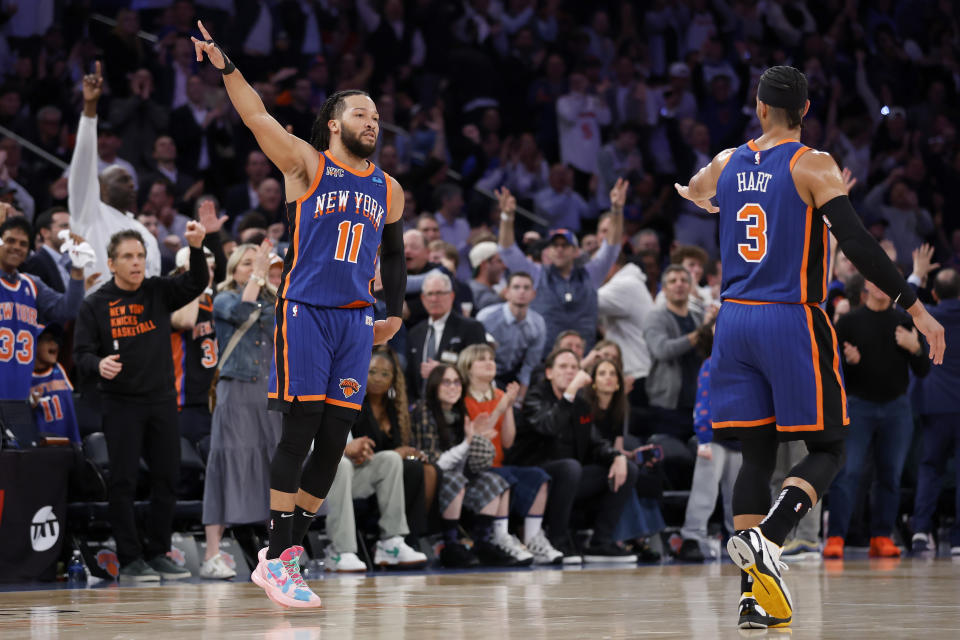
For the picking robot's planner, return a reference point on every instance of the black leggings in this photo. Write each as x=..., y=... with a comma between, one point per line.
x=327, y=431
x=751, y=492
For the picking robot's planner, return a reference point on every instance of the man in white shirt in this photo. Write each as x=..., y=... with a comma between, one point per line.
x=579, y=118
x=93, y=218
x=622, y=303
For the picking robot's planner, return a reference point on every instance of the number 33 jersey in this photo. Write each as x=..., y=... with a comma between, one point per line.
x=335, y=231
x=772, y=245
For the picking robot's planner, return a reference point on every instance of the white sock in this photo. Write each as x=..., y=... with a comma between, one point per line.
x=500, y=527
x=531, y=527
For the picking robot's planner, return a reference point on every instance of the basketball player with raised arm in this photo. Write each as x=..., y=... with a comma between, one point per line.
x=775, y=372
x=341, y=210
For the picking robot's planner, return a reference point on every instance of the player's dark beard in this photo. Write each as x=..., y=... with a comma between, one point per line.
x=355, y=145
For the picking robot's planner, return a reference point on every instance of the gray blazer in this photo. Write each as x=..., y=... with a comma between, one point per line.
x=666, y=344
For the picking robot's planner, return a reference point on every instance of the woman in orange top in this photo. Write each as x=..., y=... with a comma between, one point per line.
x=528, y=485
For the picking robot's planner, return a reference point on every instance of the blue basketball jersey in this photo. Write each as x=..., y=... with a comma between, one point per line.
x=18, y=332
x=54, y=412
x=772, y=245
x=335, y=231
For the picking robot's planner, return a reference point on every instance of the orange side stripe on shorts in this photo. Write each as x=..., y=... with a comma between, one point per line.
x=341, y=403
x=286, y=358
x=836, y=368
x=815, y=356
x=744, y=423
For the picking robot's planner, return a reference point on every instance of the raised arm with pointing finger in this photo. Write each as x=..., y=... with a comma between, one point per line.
x=295, y=158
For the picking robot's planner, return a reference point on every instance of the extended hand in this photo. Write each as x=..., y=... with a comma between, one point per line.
x=932, y=331
x=207, y=216
x=706, y=205
x=207, y=46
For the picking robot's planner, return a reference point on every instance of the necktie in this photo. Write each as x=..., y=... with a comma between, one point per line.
x=430, y=348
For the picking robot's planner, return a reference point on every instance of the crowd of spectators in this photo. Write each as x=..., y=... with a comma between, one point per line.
x=537, y=142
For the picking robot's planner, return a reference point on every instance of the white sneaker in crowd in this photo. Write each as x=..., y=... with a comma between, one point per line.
x=343, y=562
x=216, y=569
x=395, y=552
x=516, y=549
x=543, y=552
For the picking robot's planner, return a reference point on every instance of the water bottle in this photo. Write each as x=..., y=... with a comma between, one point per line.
x=76, y=571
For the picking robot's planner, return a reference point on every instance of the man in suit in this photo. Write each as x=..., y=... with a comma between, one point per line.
x=165, y=157
x=199, y=131
x=243, y=197
x=47, y=263
x=442, y=336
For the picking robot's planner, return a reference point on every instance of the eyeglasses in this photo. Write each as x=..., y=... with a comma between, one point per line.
x=435, y=294
x=451, y=383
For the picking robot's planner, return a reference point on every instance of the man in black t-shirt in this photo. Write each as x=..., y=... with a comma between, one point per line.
x=122, y=336
x=880, y=348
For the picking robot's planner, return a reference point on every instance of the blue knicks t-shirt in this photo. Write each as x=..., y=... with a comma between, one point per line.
x=18, y=332
x=335, y=231
x=773, y=246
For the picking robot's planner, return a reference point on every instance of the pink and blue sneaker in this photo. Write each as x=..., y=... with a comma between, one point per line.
x=281, y=579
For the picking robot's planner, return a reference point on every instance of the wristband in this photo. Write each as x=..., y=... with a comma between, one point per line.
x=228, y=66
x=506, y=217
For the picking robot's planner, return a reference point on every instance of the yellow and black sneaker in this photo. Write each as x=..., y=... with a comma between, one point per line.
x=752, y=615
x=760, y=559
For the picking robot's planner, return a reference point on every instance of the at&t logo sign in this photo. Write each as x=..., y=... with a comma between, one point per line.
x=44, y=529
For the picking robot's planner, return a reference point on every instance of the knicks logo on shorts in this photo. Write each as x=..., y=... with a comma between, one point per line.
x=349, y=386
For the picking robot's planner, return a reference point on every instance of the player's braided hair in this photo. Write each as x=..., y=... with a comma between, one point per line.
x=331, y=110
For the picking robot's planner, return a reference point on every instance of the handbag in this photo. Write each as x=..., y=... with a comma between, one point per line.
x=231, y=345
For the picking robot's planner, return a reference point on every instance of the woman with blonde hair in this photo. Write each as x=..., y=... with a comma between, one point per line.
x=528, y=485
x=243, y=433
x=385, y=419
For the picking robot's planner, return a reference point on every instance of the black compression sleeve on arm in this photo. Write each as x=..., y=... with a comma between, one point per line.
x=393, y=268
x=864, y=252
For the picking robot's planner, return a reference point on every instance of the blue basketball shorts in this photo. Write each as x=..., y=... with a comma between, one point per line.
x=776, y=367
x=321, y=355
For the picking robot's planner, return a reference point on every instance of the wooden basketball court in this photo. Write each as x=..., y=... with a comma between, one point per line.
x=909, y=598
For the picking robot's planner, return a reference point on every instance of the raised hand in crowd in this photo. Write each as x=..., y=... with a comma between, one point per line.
x=207, y=216
x=922, y=263
x=848, y=181
x=92, y=90
x=618, y=194
x=194, y=234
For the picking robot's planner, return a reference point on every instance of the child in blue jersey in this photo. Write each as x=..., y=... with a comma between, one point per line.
x=51, y=394
x=342, y=213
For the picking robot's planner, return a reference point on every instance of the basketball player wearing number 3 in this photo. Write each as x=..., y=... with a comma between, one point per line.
x=342, y=210
x=775, y=372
